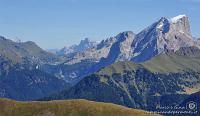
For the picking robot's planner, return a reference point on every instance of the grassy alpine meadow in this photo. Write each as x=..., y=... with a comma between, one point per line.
x=66, y=108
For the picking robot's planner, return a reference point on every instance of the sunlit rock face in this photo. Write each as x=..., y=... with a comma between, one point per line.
x=166, y=34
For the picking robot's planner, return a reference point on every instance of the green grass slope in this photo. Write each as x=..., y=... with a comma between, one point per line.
x=66, y=108
x=159, y=64
x=183, y=60
x=119, y=67
x=172, y=64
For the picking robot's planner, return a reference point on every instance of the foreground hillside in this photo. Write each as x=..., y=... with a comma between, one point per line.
x=66, y=108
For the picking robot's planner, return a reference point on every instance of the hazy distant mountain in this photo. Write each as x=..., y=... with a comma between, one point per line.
x=83, y=45
x=95, y=53
x=54, y=51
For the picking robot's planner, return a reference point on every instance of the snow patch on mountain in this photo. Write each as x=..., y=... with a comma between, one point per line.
x=177, y=18
x=160, y=26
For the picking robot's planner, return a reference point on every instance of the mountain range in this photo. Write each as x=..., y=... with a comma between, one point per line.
x=154, y=67
x=163, y=35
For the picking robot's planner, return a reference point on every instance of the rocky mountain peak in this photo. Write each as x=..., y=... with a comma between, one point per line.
x=83, y=45
x=85, y=41
x=165, y=34
x=181, y=24
x=178, y=18
x=124, y=35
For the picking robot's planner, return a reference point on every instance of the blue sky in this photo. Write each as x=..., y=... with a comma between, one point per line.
x=58, y=23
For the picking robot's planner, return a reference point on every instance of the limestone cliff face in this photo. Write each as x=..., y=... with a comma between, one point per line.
x=166, y=34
